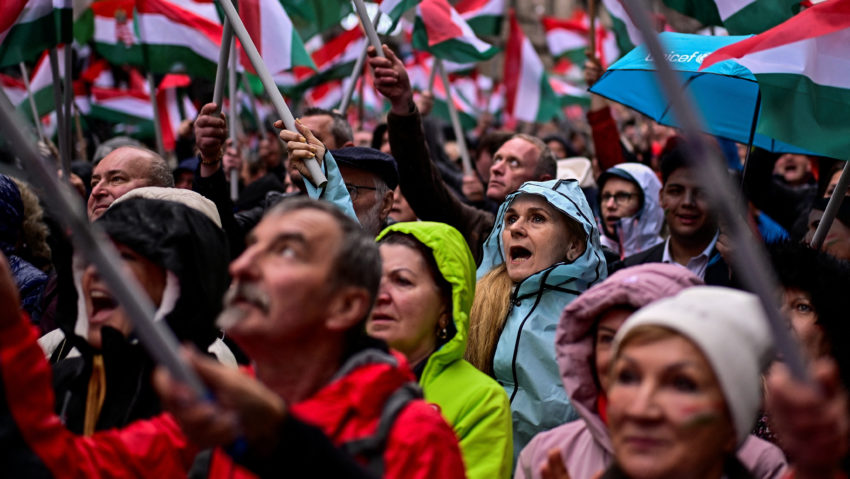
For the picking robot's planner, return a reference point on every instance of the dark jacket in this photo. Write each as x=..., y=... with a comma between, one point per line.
x=424, y=188
x=254, y=194
x=193, y=250
x=716, y=273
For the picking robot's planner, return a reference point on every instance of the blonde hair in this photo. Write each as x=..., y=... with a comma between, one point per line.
x=33, y=230
x=487, y=318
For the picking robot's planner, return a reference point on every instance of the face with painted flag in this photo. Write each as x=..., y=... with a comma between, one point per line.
x=666, y=411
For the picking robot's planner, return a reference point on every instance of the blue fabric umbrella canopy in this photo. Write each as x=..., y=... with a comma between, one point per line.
x=727, y=93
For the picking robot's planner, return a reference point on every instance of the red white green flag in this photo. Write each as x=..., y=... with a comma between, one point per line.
x=14, y=89
x=483, y=16
x=739, y=17
x=627, y=33
x=803, y=71
x=441, y=30
x=115, y=37
x=569, y=94
x=41, y=86
x=394, y=9
x=28, y=27
x=327, y=95
x=334, y=60
x=568, y=38
x=465, y=107
x=528, y=95
x=315, y=16
x=274, y=36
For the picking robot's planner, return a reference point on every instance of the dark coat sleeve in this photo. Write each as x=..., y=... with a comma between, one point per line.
x=216, y=189
x=781, y=202
x=424, y=188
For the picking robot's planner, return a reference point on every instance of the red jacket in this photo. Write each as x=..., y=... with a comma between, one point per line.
x=420, y=443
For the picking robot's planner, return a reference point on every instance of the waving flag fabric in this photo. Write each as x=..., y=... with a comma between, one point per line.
x=314, y=16
x=41, y=86
x=14, y=89
x=528, y=95
x=466, y=110
x=628, y=35
x=394, y=9
x=440, y=30
x=803, y=71
x=115, y=37
x=483, y=16
x=739, y=17
x=28, y=27
x=274, y=35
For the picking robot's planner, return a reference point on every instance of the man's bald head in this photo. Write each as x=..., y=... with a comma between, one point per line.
x=124, y=169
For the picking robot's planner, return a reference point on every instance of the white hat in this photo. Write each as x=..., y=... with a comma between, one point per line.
x=577, y=168
x=185, y=197
x=731, y=330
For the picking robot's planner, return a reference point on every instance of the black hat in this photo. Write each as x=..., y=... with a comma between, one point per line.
x=371, y=160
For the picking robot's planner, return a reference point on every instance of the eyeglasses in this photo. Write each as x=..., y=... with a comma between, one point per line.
x=354, y=190
x=619, y=197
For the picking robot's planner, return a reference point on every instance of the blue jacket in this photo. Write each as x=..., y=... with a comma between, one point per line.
x=524, y=362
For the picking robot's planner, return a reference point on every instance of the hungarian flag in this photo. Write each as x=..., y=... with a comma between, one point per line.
x=177, y=39
x=465, y=108
x=803, y=71
x=528, y=95
x=334, y=60
x=28, y=27
x=439, y=29
x=569, y=94
x=628, y=35
x=739, y=17
x=41, y=86
x=172, y=109
x=483, y=16
x=327, y=95
x=394, y=9
x=14, y=89
x=315, y=16
x=274, y=36
x=115, y=37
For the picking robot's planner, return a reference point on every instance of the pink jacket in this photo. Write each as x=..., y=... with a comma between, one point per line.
x=584, y=444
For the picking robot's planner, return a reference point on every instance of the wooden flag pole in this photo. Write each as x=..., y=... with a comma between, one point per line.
x=268, y=83
x=64, y=154
x=234, y=119
x=591, y=41
x=38, y=127
x=355, y=74
x=749, y=259
x=461, y=139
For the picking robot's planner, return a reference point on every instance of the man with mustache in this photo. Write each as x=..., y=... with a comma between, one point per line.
x=325, y=392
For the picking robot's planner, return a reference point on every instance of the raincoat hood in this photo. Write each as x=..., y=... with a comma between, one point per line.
x=642, y=231
x=188, y=246
x=633, y=287
x=567, y=197
x=457, y=267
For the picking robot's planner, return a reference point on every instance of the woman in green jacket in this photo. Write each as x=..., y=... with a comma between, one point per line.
x=422, y=310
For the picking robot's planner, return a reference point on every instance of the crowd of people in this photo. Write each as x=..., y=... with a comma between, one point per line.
x=408, y=319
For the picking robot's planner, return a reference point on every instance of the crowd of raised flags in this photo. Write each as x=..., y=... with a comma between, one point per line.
x=183, y=37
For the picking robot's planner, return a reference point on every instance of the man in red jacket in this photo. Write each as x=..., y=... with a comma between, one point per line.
x=326, y=392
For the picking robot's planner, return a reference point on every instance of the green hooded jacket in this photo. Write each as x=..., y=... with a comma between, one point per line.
x=474, y=404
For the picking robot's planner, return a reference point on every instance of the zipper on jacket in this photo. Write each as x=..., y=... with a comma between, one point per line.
x=519, y=331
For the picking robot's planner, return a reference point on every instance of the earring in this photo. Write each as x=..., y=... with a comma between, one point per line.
x=443, y=333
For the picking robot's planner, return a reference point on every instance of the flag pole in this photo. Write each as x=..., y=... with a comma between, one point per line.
x=68, y=90
x=461, y=139
x=234, y=119
x=748, y=257
x=368, y=27
x=832, y=207
x=358, y=70
x=433, y=76
x=591, y=41
x=90, y=240
x=221, y=69
x=268, y=83
x=60, y=118
x=156, y=129
x=38, y=127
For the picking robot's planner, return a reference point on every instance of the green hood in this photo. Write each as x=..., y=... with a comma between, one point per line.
x=458, y=268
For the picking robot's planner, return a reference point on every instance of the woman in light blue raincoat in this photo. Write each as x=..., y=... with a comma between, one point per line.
x=543, y=252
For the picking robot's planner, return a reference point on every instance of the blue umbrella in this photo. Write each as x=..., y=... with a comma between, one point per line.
x=726, y=92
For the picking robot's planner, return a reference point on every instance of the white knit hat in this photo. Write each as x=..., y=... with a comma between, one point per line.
x=186, y=197
x=731, y=330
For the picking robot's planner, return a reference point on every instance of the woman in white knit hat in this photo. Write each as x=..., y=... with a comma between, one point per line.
x=685, y=385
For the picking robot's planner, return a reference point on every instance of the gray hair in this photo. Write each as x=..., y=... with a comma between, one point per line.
x=358, y=261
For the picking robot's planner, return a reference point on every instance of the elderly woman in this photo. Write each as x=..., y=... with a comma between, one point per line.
x=543, y=252
x=422, y=310
x=584, y=346
x=684, y=385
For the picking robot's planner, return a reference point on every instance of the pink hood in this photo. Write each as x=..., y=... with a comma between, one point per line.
x=632, y=287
